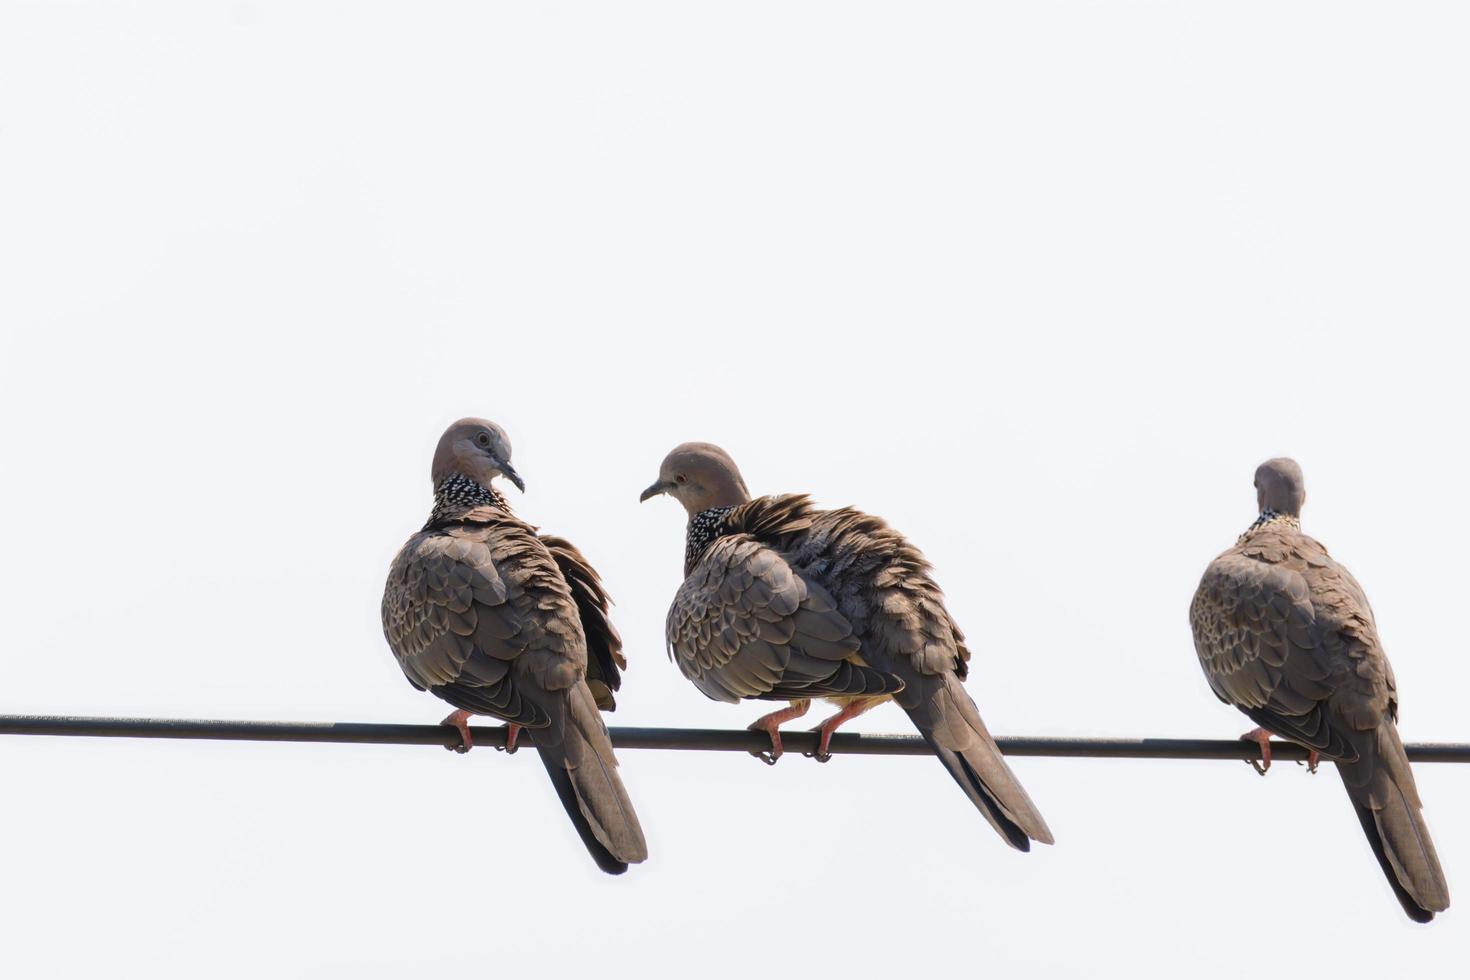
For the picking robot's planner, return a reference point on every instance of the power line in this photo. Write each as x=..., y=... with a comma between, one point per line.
x=682, y=739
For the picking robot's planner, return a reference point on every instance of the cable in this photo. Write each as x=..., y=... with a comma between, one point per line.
x=681, y=739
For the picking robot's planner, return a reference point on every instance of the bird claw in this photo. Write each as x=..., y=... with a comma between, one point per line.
x=822, y=752
x=771, y=725
x=459, y=721
x=768, y=756
x=511, y=732
x=1262, y=738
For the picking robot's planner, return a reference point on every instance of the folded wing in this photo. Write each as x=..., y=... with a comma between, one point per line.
x=745, y=624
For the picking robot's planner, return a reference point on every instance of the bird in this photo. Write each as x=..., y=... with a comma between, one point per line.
x=1285, y=634
x=496, y=619
x=782, y=601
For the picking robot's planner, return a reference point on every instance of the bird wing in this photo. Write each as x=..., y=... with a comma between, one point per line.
x=1260, y=644
x=1363, y=685
x=882, y=584
x=461, y=607
x=745, y=625
x=605, y=657
x=1286, y=634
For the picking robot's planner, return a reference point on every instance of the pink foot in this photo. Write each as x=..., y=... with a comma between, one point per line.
x=461, y=721
x=826, y=728
x=1262, y=738
x=511, y=731
x=771, y=725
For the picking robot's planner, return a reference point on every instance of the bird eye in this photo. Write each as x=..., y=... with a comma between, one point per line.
x=483, y=439
x=680, y=479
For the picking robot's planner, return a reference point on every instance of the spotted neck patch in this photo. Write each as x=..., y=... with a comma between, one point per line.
x=457, y=495
x=704, y=528
x=1274, y=520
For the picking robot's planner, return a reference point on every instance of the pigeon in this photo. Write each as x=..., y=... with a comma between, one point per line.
x=1286, y=634
x=497, y=620
x=782, y=601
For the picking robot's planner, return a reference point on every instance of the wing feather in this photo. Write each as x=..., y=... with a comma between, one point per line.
x=463, y=607
x=745, y=625
x=1256, y=635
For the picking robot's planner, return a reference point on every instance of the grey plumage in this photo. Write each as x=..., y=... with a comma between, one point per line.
x=783, y=601
x=494, y=619
x=1286, y=634
x=605, y=661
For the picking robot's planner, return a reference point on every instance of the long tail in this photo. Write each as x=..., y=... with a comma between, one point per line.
x=950, y=723
x=579, y=758
x=1381, y=786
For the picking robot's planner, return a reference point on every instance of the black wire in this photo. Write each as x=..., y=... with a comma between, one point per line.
x=680, y=739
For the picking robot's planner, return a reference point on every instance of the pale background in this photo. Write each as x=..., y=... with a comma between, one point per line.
x=1039, y=282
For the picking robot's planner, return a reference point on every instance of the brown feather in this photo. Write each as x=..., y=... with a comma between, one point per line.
x=1286, y=634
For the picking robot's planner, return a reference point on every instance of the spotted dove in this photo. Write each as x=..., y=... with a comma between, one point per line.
x=1285, y=634
x=782, y=601
x=498, y=620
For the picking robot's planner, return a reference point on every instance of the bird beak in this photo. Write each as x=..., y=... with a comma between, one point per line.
x=509, y=472
x=658, y=487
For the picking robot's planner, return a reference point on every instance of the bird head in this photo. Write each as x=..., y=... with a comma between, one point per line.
x=1280, y=487
x=477, y=449
x=699, y=475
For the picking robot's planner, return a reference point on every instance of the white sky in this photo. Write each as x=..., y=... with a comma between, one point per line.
x=1039, y=282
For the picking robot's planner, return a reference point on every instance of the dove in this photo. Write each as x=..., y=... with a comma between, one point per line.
x=1285, y=634
x=482, y=611
x=782, y=601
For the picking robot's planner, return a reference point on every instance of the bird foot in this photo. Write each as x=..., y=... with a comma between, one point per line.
x=825, y=730
x=461, y=721
x=824, y=743
x=1313, y=758
x=511, y=732
x=823, y=752
x=775, y=752
x=771, y=725
x=1262, y=738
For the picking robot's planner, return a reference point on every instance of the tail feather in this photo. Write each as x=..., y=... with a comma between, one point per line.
x=1381, y=787
x=567, y=793
x=951, y=724
x=578, y=756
